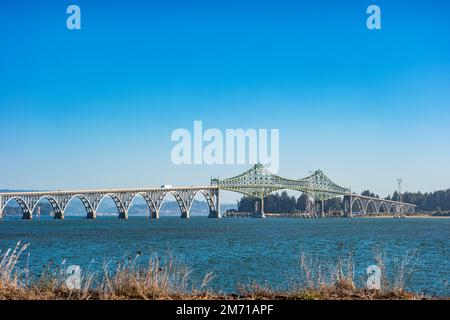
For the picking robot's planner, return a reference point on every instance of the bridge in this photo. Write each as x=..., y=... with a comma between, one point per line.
x=123, y=198
x=257, y=182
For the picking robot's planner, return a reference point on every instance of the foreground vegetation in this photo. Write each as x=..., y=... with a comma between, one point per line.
x=127, y=279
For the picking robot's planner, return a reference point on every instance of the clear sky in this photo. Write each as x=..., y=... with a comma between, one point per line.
x=95, y=107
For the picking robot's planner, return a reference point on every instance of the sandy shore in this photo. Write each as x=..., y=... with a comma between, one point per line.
x=418, y=216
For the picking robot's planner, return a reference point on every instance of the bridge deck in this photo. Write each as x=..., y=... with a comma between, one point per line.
x=134, y=190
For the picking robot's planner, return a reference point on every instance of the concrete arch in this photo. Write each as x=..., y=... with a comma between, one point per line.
x=123, y=214
x=361, y=206
x=26, y=213
x=154, y=213
x=90, y=213
x=54, y=204
x=366, y=210
x=393, y=205
x=180, y=201
x=410, y=210
x=209, y=201
x=383, y=204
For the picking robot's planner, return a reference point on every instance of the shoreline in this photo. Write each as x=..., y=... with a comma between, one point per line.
x=419, y=216
x=298, y=216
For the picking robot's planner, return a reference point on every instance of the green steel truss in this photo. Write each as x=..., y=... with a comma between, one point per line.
x=260, y=182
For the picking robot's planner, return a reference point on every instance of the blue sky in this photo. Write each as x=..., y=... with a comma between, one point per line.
x=95, y=107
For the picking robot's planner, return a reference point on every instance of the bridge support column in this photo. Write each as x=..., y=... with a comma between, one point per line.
x=322, y=208
x=154, y=214
x=348, y=206
x=262, y=215
x=59, y=215
x=27, y=215
x=215, y=213
x=259, y=209
x=91, y=215
x=123, y=214
x=350, y=212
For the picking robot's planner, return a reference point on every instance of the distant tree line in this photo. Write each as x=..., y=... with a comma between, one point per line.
x=283, y=203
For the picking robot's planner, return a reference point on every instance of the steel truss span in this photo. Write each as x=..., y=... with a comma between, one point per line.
x=257, y=182
x=260, y=182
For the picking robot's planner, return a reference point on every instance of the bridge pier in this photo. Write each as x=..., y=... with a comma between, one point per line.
x=123, y=214
x=154, y=214
x=59, y=216
x=214, y=208
x=27, y=215
x=322, y=209
x=259, y=209
x=91, y=215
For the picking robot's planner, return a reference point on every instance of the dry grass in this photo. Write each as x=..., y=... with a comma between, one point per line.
x=128, y=279
x=319, y=281
x=157, y=280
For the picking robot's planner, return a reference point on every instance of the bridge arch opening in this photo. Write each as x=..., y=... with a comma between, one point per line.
x=403, y=210
x=251, y=204
x=142, y=205
x=334, y=207
x=47, y=207
x=79, y=205
x=85, y=203
x=110, y=205
x=202, y=204
x=357, y=206
x=393, y=209
x=383, y=209
x=282, y=201
x=170, y=208
x=15, y=209
x=371, y=208
x=245, y=202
